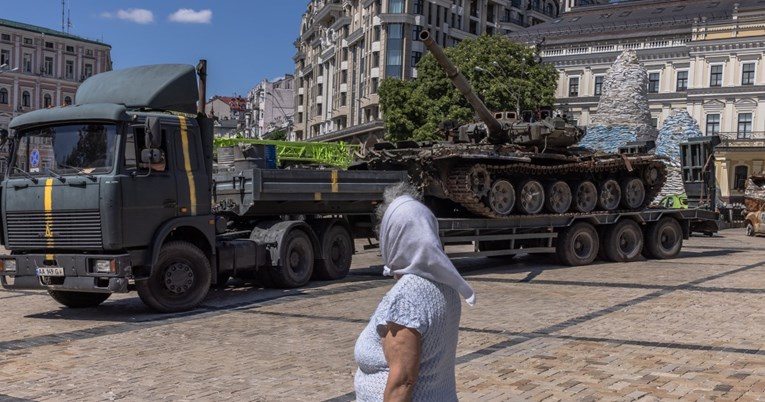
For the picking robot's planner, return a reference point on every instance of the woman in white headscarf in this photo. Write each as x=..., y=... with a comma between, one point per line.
x=408, y=349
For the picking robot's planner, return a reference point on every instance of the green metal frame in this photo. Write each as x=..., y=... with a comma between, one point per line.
x=338, y=154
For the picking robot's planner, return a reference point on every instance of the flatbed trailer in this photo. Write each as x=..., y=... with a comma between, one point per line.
x=577, y=239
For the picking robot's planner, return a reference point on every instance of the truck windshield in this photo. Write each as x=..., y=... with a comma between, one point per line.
x=75, y=148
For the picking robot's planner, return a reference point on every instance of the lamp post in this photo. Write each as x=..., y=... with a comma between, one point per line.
x=517, y=92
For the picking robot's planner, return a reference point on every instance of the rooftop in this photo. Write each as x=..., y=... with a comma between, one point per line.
x=47, y=31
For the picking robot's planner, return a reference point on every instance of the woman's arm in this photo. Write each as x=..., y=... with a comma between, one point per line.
x=401, y=346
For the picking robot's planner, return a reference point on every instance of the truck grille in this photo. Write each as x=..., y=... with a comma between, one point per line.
x=72, y=229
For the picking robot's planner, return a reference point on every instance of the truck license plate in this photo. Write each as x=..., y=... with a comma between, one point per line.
x=50, y=271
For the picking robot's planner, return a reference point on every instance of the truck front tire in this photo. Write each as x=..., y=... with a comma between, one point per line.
x=179, y=281
x=78, y=299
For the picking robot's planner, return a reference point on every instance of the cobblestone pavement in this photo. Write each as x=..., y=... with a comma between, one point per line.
x=684, y=329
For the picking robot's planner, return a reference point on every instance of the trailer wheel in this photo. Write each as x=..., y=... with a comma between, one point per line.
x=295, y=261
x=664, y=239
x=578, y=244
x=78, y=299
x=179, y=281
x=337, y=249
x=623, y=241
x=749, y=229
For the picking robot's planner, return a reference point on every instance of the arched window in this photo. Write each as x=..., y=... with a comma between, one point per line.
x=549, y=10
x=740, y=174
x=67, y=100
x=26, y=99
x=47, y=100
x=3, y=96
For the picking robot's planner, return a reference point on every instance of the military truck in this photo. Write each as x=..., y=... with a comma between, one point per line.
x=117, y=192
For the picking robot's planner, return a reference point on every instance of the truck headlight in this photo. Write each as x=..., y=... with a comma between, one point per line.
x=8, y=265
x=104, y=266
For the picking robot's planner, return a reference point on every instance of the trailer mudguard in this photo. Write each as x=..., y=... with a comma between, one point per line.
x=271, y=234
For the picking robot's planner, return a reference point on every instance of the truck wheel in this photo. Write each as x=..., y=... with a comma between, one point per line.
x=749, y=229
x=78, y=299
x=337, y=249
x=623, y=241
x=295, y=260
x=179, y=281
x=578, y=244
x=664, y=239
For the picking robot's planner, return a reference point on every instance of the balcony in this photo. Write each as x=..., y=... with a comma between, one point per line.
x=331, y=9
x=512, y=24
x=749, y=141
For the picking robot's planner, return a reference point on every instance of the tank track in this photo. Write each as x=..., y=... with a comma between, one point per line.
x=459, y=190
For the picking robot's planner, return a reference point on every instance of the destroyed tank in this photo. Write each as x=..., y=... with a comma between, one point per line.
x=503, y=166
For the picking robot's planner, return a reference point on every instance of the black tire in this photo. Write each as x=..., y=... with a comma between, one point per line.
x=578, y=244
x=623, y=241
x=295, y=261
x=78, y=299
x=179, y=281
x=749, y=229
x=663, y=239
x=337, y=249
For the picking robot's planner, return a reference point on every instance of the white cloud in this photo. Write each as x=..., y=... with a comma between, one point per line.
x=137, y=15
x=187, y=15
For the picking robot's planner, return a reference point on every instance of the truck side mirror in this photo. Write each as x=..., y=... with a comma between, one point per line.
x=153, y=138
x=151, y=155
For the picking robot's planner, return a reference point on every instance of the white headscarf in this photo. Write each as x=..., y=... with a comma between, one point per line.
x=409, y=244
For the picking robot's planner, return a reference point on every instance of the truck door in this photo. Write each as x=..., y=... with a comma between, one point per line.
x=149, y=192
x=190, y=179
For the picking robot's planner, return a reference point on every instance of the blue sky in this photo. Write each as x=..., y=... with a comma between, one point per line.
x=244, y=41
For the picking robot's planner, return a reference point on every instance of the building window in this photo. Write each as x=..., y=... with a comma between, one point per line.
x=395, y=49
x=682, y=81
x=416, y=56
x=417, y=8
x=573, y=86
x=344, y=77
x=375, y=59
x=70, y=49
x=343, y=98
x=396, y=6
x=318, y=109
x=67, y=100
x=653, y=83
x=416, y=32
x=744, y=130
x=740, y=175
x=713, y=124
x=747, y=74
x=26, y=99
x=377, y=30
x=88, y=70
x=49, y=45
x=6, y=37
x=3, y=96
x=69, y=69
x=27, y=65
x=715, y=76
x=48, y=66
x=598, y=85
x=5, y=56
x=47, y=101
x=375, y=83
x=29, y=41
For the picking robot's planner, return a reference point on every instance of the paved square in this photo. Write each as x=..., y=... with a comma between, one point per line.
x=684, y=329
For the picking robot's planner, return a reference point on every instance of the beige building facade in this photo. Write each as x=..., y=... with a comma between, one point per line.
x=705, y=56
x=41, y=67
x=346, y=47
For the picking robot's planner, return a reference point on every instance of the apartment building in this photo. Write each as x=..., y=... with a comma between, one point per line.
x=346, y=47
x=270, y=107
x=705, y=56
x=41, y=67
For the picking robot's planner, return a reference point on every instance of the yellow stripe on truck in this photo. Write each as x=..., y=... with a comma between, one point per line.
x=187, y=165
x=48, y=208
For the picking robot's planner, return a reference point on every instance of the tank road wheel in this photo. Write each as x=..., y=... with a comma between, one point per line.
x=558, y=197
x=578, y=244
x=295, y=259
x=651, y=175
x=502, y=197
x=78, y=299
x=531, y=197
x=623, y=241
x=179, y=281
x=634, y=193
x=585, y=197
x=479, y=181
x=664, y=239
x=337, y=248
x=610, y=195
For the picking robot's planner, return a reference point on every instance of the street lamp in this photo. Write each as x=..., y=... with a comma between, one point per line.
x=518, y=90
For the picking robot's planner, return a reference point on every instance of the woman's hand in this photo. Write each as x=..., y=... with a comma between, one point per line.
x=401, y=346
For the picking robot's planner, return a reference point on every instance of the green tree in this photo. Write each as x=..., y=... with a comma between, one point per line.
x=505, y=74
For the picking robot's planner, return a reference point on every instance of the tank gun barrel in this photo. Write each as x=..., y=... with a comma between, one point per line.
x=461, y=83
